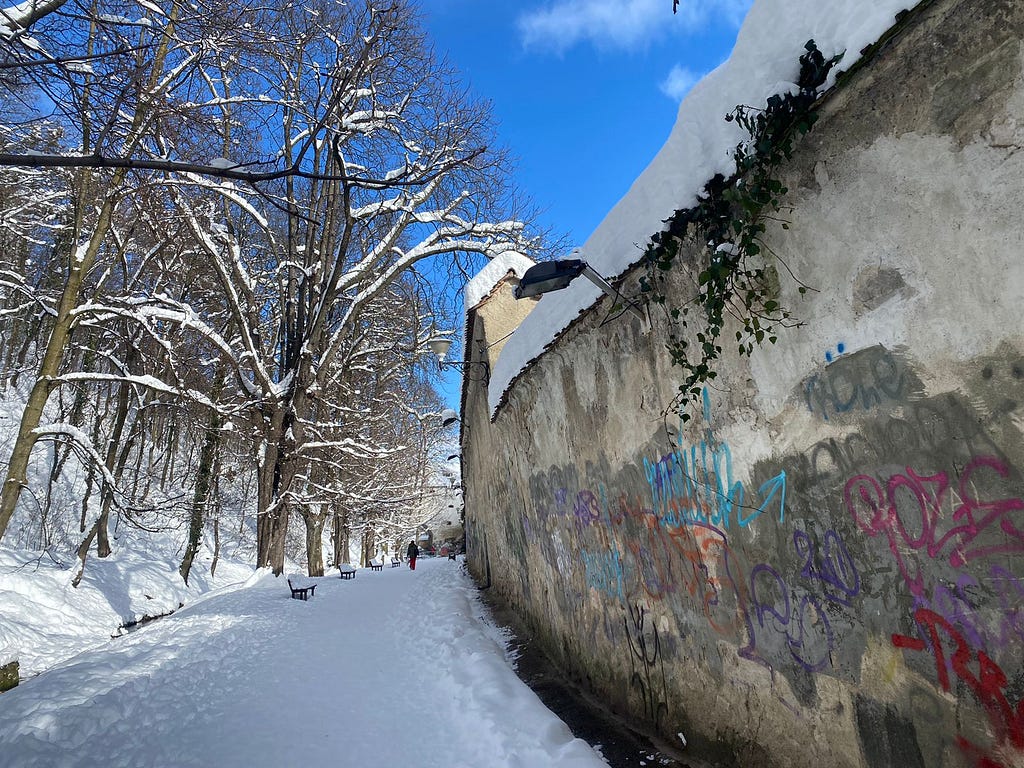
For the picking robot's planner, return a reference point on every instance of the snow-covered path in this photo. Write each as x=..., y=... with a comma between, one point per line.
x=392, y=668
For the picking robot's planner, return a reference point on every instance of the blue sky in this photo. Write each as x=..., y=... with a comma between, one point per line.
x=585, y=92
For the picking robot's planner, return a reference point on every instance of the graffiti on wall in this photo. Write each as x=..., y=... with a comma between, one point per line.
x=949, y=533
x=908, y=523
x=925, y=514
x=646, y=661
x=696, y=485
x=828, y=579
x=870, y=378
x=955, y=657
x=781, y=614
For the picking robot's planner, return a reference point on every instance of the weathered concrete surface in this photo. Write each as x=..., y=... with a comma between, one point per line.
x=825, y=570
x=621, y=743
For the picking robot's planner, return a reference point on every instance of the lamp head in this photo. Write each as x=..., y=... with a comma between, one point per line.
x=548, y=276
x=448, y=417
x=440, y=348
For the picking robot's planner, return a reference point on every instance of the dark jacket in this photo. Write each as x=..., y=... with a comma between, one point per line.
x=412, y=551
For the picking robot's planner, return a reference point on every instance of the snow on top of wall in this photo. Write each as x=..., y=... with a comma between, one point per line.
x=763, y=62
x=480, y=286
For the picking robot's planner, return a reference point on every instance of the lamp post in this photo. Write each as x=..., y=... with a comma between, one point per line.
x=440, y=349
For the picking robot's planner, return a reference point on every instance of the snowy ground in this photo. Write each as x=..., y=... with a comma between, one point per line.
x=44, y=620
x=392, y=668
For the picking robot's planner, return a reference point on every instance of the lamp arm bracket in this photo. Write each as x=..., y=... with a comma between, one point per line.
x=595, y=277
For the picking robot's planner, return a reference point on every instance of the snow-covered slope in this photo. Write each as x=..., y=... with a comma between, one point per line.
x=45, y=620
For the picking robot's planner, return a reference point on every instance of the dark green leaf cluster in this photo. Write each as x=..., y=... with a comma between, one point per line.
x=736, y=277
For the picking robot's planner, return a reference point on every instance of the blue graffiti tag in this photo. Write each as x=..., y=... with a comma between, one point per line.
x=695, y=485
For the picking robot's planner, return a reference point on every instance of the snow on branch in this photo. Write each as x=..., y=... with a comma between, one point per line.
x=145, y=381
x=15, y=19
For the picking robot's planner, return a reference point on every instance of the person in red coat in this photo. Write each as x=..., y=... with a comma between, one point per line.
x=412, y=552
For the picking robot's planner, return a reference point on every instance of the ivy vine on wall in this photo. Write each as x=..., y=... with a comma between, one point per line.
x=736, y=270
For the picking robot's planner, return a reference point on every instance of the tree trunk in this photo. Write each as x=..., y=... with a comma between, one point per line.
x=340, y=538
x=314, y=542
x=369, y=545
x=102, y=529
x=275, y=476
x=204, y=481
x=216, y=546
x=201, y=498
x=90, y=478
x=83, y=552
x=102, y=524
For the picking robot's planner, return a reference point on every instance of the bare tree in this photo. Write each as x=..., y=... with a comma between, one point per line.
x=284, y=309
x=123, y=99
x=398, y=148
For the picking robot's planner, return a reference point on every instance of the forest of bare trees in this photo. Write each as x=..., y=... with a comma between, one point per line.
x=227, y=231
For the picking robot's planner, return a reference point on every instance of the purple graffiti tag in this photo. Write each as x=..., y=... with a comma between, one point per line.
x=1010, y=589
x=762, y=607
x=799, y=645
x=795, y=625
x=989, y=629
x=952, y=606
x=836, y=570
x=586, y=509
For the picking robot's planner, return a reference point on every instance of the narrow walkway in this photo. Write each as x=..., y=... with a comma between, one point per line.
x=392, y=668
x=621, y=744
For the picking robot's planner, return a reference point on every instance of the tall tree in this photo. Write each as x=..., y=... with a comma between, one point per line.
x=121, y=102
x=400, y=174
x=283, y=308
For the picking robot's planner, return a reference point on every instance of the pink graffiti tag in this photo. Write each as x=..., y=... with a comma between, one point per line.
x=876, y=512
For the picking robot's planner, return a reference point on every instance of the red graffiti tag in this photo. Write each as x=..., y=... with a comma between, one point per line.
x=988, y=684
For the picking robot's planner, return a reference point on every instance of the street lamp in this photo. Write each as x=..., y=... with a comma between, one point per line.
x=440, y=349
x=550, y=276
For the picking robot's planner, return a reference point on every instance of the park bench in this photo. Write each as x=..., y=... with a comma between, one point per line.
x=395, y=562
x=376, y=565
x=347, y=571
x=303, y=591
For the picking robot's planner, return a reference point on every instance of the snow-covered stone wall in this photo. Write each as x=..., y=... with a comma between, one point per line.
x=827, y=569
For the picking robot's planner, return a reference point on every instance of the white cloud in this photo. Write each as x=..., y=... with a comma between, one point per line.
x=679, y=81
x=619, y=23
